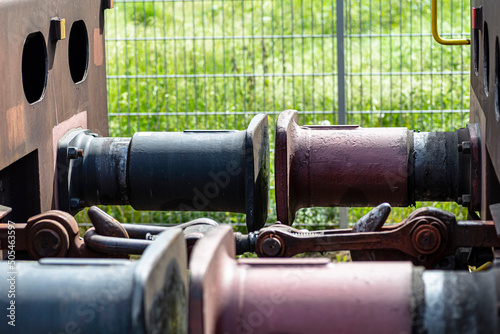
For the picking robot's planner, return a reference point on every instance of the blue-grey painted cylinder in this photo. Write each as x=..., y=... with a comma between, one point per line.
x=98, y=295
x=169, y=171
x=458, y=302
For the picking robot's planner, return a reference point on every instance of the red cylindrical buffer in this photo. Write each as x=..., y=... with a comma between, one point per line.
x=294, y=295
x=349, y=166
x=353, y=166
x=302, y=296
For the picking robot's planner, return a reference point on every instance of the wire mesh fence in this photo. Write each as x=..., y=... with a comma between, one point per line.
x=213, y=64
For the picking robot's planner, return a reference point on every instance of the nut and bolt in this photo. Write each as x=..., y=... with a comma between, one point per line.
x=271, y=247
x=426, y=239
x=74, y=153
x=47, y=243
x=464, y=147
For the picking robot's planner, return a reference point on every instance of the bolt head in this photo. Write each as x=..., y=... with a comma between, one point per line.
x=426, y=239
x=72, y=152
x=47, y=243
x=466, y=146
x=271, y=247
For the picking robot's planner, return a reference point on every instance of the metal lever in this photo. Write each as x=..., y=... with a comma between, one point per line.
x=425, y=237
x=435, y=32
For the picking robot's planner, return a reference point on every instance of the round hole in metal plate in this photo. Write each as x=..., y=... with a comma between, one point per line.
x=78, y=51
x=34, y=67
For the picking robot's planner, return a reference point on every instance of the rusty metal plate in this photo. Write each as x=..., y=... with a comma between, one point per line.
x=47, y=81
x=485, y=82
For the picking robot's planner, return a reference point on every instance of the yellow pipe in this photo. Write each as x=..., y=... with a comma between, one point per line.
x=485, y=266
x=435, y=32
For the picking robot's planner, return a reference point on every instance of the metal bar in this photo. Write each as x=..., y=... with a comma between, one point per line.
x=282, y=75
x=340, y=63
x=293, y=51
x=146, y=1
x=435, y=32
x=292, y=36
x=104, y=244
x=308, y=112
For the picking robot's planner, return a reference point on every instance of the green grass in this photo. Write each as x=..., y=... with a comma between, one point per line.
x=152, y=47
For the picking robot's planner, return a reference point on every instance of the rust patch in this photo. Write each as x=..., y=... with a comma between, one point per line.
x=76, y=121
x=15, y=127
x=98, y=48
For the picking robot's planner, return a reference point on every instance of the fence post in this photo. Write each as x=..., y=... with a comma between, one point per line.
x=340, y=63
x=343, y=212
